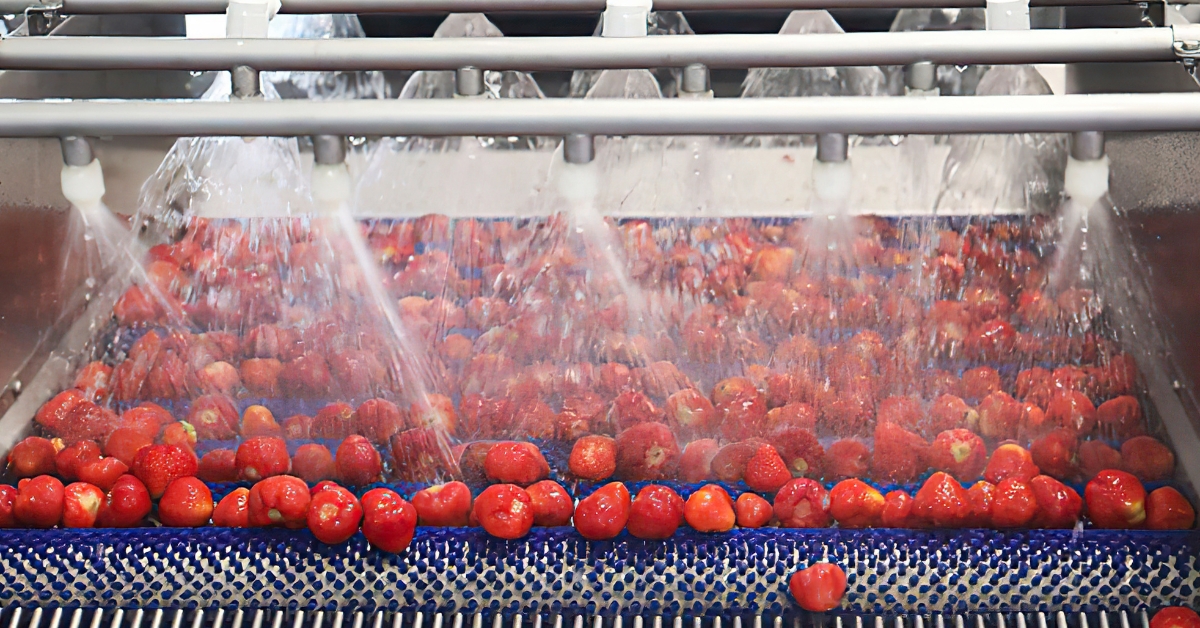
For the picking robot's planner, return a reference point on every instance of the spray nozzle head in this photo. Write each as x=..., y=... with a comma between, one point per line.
x=626, y=18
x=76, y=151
x=833, y=147
x=1087, y=145
x=695, y=79
x=579, y=148
x=921, y=75
x=245, y=82
x=468, y=81
x=329, y=150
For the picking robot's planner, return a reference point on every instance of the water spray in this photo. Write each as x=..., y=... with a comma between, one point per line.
x=331, y=186
x=831, y=172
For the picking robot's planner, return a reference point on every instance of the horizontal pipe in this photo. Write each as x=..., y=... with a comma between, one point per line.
x=551, y=53
x=84, y=7
x=851, y=115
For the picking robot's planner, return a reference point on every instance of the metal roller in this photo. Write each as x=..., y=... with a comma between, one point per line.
x=849, y=115
x=556, y=53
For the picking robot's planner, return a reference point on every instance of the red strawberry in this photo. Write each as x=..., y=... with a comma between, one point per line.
x=103, y=472
x=766, y=471
x=157, y=465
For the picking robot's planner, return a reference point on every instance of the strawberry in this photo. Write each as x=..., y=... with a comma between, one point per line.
x=766, y=471
x=157, y=465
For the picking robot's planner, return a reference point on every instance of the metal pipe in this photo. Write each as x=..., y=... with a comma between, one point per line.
x=850, y=115
x=551, y=53
x=84, y=7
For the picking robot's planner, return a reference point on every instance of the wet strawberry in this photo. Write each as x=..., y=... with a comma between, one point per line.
x=856, y=504
x=710, y=509
x=443, y=505
x=214, y=417
x=802, y=503
x=753, y=511
x=260, y=376
x=1120, y=417
x=313, y=463
x=218, y=465
x=1096, y=456
x=800, y=450
x=125, y=443
x=900, y=456
x=949, y=412
x=39, y=502
x=695, y=464
x=1115, y=500
x=515, y=463
x=388, y=521
x=278, y=500
x=1059, y=506
x=357, y=461
x=258, y=421
x=1010, y=461
x=179, y=433
x=656, y=513
x=262, y=458
x=379, y=419
x=766, y=471
x=690, y=413
x=729, y=463
x=81, y=503
x=593, y=458
x=818, y=588
x=334, y=515
x=552, y=506
x=647, y=452
x=632, y=408
x=1168, y=509
x=297, y=427
x=1055, y=454
x=1072, y=410
x=147, y=418
x=960, y=453
x=53, y=414
x=187, y=503
x=103, y=472
x=982, y=496
x=980, y=382
x=603, y=514
x=1147, y=458
x=1015, y=504
x=1175, y=617
x=999, y=416
x=68, y=461
x=157, y=465
x=8, y=498
x=847, y=458
x=93, y=379
x=125, y=505
x=233, y=510
x=335, y=421
x=942, y=502
x=897, y=510
x=32, y=457
x=504, y=510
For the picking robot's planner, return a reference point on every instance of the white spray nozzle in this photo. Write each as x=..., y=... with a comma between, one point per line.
x=249, y=19
x=1086, y=180
x=831, y=181
x=83, y=185
x=626, y=18
x=1007, y=15
x=331, y=187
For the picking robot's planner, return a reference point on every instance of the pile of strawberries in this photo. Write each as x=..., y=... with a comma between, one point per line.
x=720, y=356
x=106, y=492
